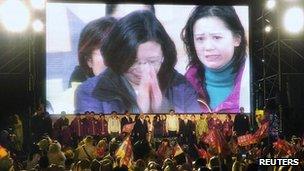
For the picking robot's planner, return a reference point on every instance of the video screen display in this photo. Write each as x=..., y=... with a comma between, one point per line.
x=147, y=58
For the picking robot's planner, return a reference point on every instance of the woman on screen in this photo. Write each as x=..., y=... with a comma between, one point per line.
x=91, y=38
x=140, y=57
x=216, y=45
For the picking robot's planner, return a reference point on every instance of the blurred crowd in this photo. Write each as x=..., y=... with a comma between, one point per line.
x=144, y=142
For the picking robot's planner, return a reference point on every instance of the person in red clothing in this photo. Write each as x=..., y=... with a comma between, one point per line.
x=59, y=125
x=91, y=125
x=76, y=129
x=102, y=126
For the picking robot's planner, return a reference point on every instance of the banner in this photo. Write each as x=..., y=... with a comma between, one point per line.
x=128, y=128
x=247, y=139
x=125, y=152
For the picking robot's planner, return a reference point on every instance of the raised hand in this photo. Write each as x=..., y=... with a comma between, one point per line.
x=155, y=92
x=142, y=90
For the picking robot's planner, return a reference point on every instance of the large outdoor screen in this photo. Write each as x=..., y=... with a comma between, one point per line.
x=147, y=58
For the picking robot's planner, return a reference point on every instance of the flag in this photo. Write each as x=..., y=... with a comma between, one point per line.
x=262, y=132
x=284, y=146
x=202, y=153
x=128, y=127
x=216, y=139
x=3, y=152
x=125, y=152
x=177, y=150
x=247, y=139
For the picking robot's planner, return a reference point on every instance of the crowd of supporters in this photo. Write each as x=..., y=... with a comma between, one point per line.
x=147, y=142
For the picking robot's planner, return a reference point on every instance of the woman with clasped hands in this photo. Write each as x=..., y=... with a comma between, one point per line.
x=140, y=57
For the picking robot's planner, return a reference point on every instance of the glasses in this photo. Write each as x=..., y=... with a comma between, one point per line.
x=154, y=63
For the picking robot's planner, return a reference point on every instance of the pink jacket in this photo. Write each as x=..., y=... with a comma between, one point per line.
x=230, y=105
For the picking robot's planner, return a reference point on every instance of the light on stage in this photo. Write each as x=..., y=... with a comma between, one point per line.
x=38, y=4
x=293, y=20
x=270, y=4
x=268, y=28
x=14, y=15
x=38, y=25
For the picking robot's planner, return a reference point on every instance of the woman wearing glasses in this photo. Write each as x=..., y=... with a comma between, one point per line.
x=140, y=57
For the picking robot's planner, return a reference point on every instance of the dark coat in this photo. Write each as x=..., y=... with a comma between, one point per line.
x=140, y=130
x=241, y=124
x=109, y=91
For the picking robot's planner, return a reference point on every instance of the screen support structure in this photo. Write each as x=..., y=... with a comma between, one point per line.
x=276, y=67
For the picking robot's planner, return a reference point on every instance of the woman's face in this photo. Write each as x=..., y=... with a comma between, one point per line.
x=214, y=42
x=96, y=62
x=148, y=54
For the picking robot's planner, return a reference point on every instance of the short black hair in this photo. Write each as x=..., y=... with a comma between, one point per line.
x=120, y=49
x=91, y=38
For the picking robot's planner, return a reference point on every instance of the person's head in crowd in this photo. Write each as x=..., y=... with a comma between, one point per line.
x=214, y=161
x=127, y=113
x=54, y=147
x=228, y=117
x=202, y=116
x=168, y=163
x=62, y=114
x=86, y=113
x=199, y=162
x=15, y=119
x=69, y=154
x=139, y=46
x=156, y=118
x=121, y=168
x=106, y=164
x=241, y=110
x=84, y=164
x=184, y=167
x=55, y=167
x=152, y=165
x=141, y=116
x=192, y=118
x=215, y=40
x=139, y=165
x=147, y=118
x=113, y=146
x=165, y=142
x=91, y=38
x=164, y=117
x=114, y=114
x=77, y=115
x=92, y=114
x=102, y=116
x=95, y=165
x=172, y=112
x=89, y=140
x=44, y=144
x=102, y=144
x=120, y=10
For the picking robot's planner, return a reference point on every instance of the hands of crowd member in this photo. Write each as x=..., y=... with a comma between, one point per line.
x=149, y=95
